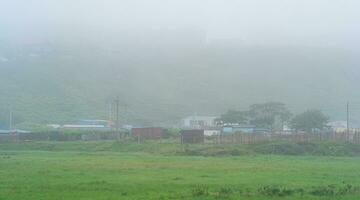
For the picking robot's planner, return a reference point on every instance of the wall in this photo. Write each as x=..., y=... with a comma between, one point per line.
x=192, y=136
x=148, y=133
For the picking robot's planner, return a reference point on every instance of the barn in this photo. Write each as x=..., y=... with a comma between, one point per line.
x=148, y=133
x=192, y=136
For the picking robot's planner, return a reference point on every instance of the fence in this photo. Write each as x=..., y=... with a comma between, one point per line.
x=352, y=137
x=239, y=138
x=15, y=137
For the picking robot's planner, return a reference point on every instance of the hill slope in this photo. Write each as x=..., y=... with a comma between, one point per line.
x=158, y=85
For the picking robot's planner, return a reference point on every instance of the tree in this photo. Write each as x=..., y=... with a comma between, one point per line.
x=267, y=114
x=270, y=115
x=309, y=121
x=234, y=116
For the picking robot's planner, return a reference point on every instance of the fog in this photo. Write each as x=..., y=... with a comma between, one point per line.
x=66, y=60
x=323, y=22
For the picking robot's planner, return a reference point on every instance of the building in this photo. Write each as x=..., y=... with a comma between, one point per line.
x=13, y=131
x=341, y=127
x=192, y=136
x=90, y=124
x=96, y=122
x=231, y=129
x=198, y=122
x=55, y=126
x=338, y=126
x=6, y=131
x=212, y=132
x=148, y=133
x=79, y=126
x=262, y=130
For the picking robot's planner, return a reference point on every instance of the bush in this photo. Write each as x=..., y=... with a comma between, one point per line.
x=332, y=190
x=280, y=191
x=283, y=148
x=200, y=190
x=172, y=132
x=224, y=192
x=329, y=190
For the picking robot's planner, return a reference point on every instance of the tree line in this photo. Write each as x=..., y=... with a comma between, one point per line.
x=274, y=116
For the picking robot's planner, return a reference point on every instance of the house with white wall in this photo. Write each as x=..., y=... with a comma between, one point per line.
x=198, y=122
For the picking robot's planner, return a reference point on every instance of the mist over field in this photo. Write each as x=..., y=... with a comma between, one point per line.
x=179, y=99
x=62, y=61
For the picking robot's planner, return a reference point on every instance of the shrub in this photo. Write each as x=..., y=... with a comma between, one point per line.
x=346, y=189
x=224, y=192
x=271, y=190
x=200, y=190
x=332, y=190
x=329, y=190
x=281, y=148
x=172, y=132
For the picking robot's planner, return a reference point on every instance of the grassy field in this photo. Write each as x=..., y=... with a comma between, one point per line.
x=109, y=170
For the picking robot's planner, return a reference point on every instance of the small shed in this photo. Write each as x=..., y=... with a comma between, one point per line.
x=148, y=133
x=192, y=136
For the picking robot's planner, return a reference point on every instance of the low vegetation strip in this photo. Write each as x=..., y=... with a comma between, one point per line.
x=273, y=191
x=171, y=148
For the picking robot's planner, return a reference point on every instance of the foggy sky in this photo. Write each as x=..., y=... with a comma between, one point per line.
x=305, y=22
x=299, y=52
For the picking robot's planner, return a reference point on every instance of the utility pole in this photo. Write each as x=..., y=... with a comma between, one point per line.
x=10, y=119
x=117, y=117
x=347, y=120
x=110, y=111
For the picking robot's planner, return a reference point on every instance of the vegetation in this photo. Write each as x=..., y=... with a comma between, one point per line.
x=111, y=170
x=74, y=82
x=172, y=132
x=271, y=115
x=172, y=148
x=234, y=116
x=274, y=115
x=109, y=65
x=267, y=114
x=309, y=121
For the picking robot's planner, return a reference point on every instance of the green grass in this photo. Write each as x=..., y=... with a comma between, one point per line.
x=110, y=170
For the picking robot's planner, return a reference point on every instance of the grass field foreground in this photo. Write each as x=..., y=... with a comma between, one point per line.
x=65, y=171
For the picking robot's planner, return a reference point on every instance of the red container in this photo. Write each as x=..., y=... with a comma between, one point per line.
x=148, y=133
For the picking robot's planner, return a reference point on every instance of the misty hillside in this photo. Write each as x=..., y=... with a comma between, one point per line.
x=160, y=82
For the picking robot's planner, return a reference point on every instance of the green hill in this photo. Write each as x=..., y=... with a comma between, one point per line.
x=158, y=85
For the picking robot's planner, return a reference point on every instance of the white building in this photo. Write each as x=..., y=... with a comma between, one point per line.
x=211, y=132
x=198, y=122
x=338, y=126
